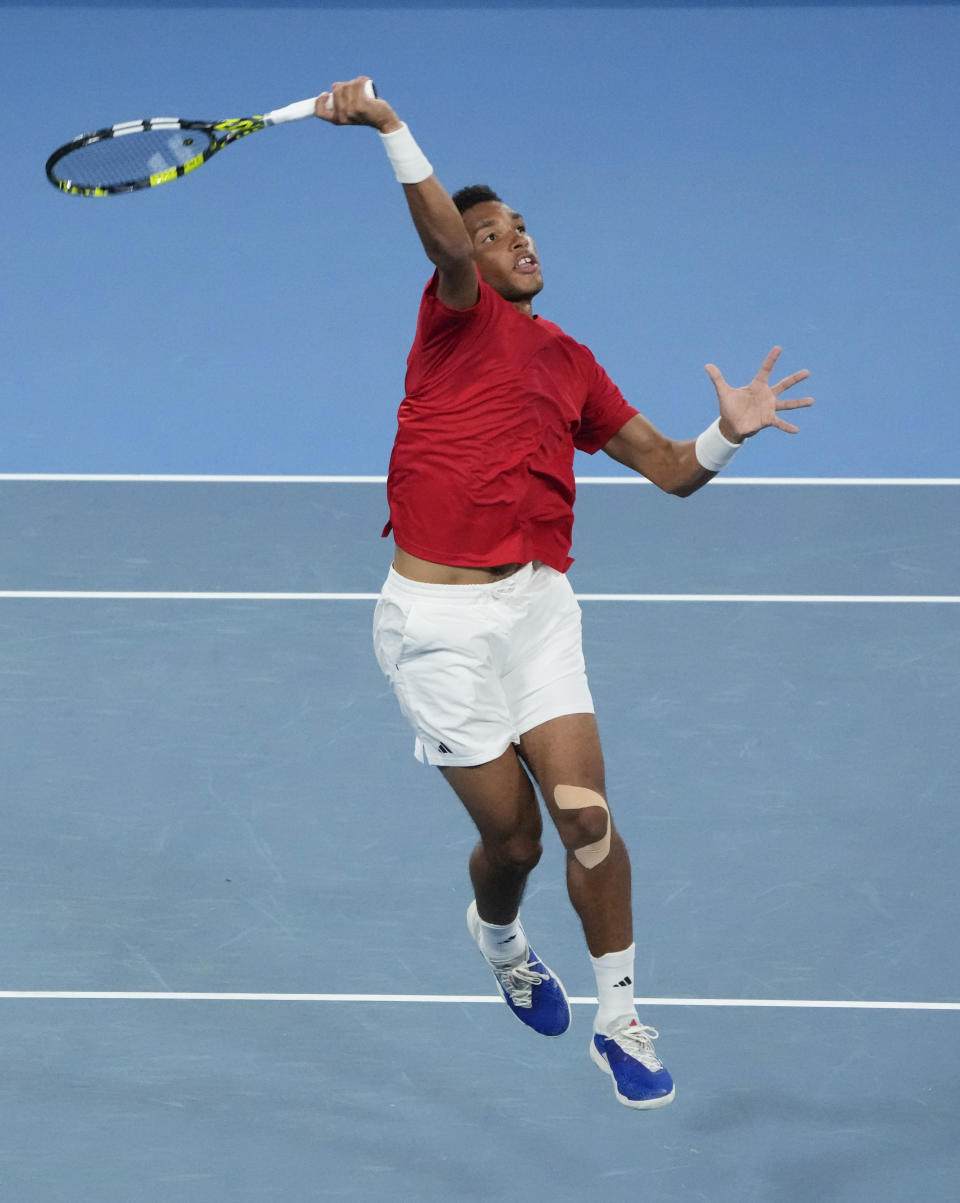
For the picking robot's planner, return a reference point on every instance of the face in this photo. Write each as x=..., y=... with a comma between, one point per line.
x=506, y=254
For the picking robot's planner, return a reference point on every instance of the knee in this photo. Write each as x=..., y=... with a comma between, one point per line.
x=518, y=852
x=584, y=824
x=583, y=827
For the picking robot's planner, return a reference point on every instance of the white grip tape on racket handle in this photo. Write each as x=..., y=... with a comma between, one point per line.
x=301, y=109
x=292, y=112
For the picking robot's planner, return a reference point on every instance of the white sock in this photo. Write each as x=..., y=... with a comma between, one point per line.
x=502, y=944
x=614, y=972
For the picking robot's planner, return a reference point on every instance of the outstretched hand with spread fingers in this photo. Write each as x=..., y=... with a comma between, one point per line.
x=744, y=411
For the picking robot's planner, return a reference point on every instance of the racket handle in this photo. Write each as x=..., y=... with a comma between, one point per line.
x=306, y=108
x=291, y=112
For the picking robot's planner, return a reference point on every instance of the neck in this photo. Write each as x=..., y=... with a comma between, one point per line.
x=523, y=307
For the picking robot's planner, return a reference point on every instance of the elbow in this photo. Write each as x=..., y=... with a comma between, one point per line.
x=685, y=475
x=672, y=486
x=450, y=254
x=687, y=487
x=670, y=466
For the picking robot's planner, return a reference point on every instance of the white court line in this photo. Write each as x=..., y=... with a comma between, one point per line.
x=777, y=598
x=166, y=478
x=190, y=996
x=121, y=595
x=901, y=599
x=786, y=480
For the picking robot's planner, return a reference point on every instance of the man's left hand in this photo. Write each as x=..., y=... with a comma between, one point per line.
x=744, y=411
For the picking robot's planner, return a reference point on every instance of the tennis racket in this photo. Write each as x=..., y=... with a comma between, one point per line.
x=143, y=154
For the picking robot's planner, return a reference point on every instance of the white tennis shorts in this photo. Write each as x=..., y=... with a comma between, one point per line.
x=475, y=666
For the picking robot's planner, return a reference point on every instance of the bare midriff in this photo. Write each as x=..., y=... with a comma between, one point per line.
x=415, y=569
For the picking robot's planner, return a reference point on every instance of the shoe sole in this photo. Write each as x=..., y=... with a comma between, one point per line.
x=638, y=1104
x=473, y=925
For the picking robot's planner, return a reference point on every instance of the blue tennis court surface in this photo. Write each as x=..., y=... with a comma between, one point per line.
x=211, y=807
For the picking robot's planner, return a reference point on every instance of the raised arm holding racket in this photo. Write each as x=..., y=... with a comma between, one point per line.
x=477, y=628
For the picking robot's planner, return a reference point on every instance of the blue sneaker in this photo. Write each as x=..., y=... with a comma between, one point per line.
x=639, y=1079
x=532, y=992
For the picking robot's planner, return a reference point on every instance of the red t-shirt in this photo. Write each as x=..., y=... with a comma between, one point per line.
x=482, y=468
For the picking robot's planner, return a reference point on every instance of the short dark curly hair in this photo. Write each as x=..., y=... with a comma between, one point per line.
x=473, y=194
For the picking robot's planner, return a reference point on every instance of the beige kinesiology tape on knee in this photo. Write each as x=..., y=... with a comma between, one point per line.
x=576, y=797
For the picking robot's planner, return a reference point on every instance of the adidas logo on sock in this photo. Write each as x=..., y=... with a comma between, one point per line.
x=626, y=982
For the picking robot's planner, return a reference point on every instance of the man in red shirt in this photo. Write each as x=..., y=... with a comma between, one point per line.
x=477, y=628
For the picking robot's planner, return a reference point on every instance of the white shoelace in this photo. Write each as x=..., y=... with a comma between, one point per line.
x=519, y=980
x=635, y=1040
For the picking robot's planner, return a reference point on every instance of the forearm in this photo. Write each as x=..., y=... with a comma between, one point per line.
x=675, y=466
x=438, y=223
x=436, y=220
x=434, y=214
x=675, y=469
x=682, y=468
x=692, y=464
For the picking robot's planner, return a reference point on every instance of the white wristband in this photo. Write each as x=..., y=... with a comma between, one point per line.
x=713, y=450
x=410, y=164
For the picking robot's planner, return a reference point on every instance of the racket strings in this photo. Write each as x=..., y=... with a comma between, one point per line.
x=128, y=158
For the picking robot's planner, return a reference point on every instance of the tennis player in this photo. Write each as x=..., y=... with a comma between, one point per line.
x=477, y=628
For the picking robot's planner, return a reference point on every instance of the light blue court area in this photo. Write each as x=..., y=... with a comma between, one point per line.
x=284, y=1101
x=210, y=806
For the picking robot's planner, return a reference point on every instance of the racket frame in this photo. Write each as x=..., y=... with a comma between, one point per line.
x=222, y=132
x=229, y=131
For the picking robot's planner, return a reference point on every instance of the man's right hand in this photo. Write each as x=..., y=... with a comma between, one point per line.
x=352, y=106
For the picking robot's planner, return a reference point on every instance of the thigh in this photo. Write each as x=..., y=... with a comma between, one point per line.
x=546, y=674
x=564, y=751
x=499, y=797
x=439, y=654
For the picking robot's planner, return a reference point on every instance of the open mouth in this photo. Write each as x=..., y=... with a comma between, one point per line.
x=526, y=264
